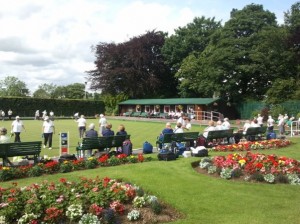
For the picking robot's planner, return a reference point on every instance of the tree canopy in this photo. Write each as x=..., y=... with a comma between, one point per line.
x=12, y=86
x=135, y=68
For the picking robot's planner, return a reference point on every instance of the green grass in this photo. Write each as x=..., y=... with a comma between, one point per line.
x=140, y=132
x=201, y=198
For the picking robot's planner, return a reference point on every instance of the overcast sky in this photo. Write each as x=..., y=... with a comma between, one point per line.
x=49, y=41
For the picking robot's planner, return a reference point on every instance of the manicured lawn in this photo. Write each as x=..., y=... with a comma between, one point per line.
x=140, y=132
x=201, y=198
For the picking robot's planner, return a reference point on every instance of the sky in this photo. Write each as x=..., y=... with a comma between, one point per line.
x=49, y=41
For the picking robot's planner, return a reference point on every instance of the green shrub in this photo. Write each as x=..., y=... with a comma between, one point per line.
x=35, y=171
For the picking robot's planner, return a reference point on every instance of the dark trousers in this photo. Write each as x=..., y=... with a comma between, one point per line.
x=48, y=137
x=17, y=137
x=81, y=132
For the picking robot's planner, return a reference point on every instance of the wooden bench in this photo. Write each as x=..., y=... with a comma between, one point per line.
x=101, y=143
x=20, y=149
x=176, y=137
x=254, y=133
x=219, y=134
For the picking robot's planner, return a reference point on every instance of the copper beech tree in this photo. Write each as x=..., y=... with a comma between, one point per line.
x=135, y=68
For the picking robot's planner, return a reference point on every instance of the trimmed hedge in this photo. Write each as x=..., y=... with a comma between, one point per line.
x=26, y=107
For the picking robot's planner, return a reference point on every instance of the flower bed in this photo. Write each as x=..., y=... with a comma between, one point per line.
x=246, y=146
x=254, y=166
x=51, y=166
x=87, y=201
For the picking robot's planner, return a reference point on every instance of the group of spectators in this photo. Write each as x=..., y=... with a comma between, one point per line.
x=282, y=122
x=105, y=128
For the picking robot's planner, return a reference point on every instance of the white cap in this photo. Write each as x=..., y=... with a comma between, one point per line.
x=46, y=118
x=17, y=117
x=101, y=115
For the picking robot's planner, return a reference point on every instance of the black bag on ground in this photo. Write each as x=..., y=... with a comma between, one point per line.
x=166, y=155
x=201, y=153
x=127, y=147
x=67, y=157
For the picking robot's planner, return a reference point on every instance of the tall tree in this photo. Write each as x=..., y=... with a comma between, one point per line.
x=74, y=91
x=12, y=86
x=237, y=64
x=135, y=68
x=287, y=86
x=45, y=91
x=190, y=39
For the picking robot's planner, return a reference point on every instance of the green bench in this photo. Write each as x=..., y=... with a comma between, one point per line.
x=176, y=137
x=144, y=114
x=135, y=114
x=127, y=114
x=254, y=133
x=8, y=150
x=164, y=115
x=219, y=134
x=101, y=143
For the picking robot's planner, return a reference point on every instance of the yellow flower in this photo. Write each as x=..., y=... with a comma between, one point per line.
x=242, y=162
x=5, y=168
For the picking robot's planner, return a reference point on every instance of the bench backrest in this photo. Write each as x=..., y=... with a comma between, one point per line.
x=256, y=130
x=184, y=137
x=20, y=148
x=103, y=142
x=216, y=134
x=180, y=137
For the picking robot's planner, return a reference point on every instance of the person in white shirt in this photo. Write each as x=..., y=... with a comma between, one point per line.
x=246, y=126
x=181, y=120
x=102, y=124
x=178, y=128
x=3, y=137
x=81, y=126
x=48, y=130
x=210, y=127
x=17, y=127
x=260, y=120
x=9, y=113
x=188, y=125
x=226, y=124
x=270, y=123
x=51, y=114
x=254, y=123
x=281, y=125
x=219, y=125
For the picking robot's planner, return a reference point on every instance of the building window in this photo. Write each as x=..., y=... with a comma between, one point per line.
x=167, y=108
x=147, y=108
x=138, y=108
x=190, y=109
x=179, y=108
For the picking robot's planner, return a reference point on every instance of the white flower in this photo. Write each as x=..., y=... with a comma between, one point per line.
x=133, y=215
x=74, y=211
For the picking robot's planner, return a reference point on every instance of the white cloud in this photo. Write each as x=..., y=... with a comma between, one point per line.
x=50, y=41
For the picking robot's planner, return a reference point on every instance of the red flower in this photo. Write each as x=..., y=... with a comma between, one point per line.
x=63, y=180
x=103, y=159
x=95, y=209
x=140, y=157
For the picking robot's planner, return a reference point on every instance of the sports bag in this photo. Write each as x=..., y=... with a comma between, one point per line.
x=127, y=147
x=166, y=155
x=147, y=148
